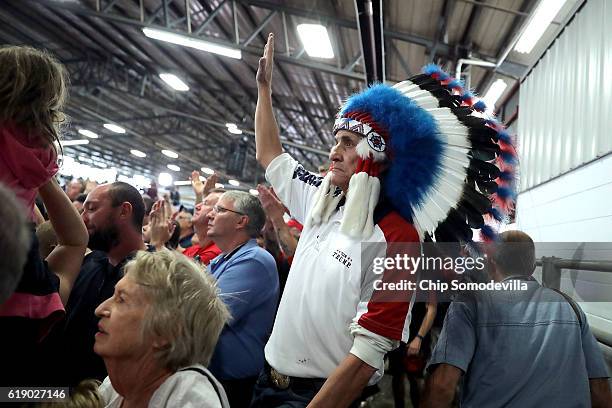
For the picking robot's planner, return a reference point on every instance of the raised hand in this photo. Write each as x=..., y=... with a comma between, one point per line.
x=211, y=181
x=196, y=183
x=266, y=64
x=270, y=203
x=161, y=226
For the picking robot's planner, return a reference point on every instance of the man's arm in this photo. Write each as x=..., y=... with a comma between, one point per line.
x=600, y=393
x=275, y=210
x=72, y=237
x=440, y=387
x=415, y=345
x=344, y=385
x=267, y=139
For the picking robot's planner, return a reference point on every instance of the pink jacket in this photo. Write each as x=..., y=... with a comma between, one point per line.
x=24, y=167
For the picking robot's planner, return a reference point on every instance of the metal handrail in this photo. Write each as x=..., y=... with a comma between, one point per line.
x=551, y=277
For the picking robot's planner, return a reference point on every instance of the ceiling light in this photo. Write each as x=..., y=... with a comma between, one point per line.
x=114, y=128
x=88, y=133
x=100, y=164
x=494, y=92
x=186, y=41
x=182, y=183
x=316, y=40
x=254, y=192
x=175, y=82
x=174, y=167
x=231, y=125
x=138, y=153
x=170, y=153
x=207, y=170
x=74, y=142
x=219, y=185
x=164, y=179
x=234, y=183
x=235, y=131
x=538, y=23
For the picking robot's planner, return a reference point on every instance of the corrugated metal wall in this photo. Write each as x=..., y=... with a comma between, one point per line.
x=565, y=116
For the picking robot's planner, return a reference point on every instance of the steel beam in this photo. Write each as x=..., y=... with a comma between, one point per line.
x=210, y=18
x=443, y=49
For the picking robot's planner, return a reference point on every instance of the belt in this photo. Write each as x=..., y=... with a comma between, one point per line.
x=282, y=381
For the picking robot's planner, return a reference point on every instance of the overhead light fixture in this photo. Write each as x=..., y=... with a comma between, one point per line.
x=494, y=92
x=182, y=183
x=207, y=170
x=88, y=133
x=191, y=42
x=102, y=165
x=174, y=82
x=74, y=142
x=234, y=183
x=138, y=153
x=164, y=179
x=170, y=153
x=540, y=20
x=232, y=128
x=254, y=192
x=114, y=128
x=219, y=185
x=174, y=167
x=235, y=131
x=316, y=40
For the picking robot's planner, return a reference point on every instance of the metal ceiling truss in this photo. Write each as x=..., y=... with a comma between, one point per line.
x=167, y=16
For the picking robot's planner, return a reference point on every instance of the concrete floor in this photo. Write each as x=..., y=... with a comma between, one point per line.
x=384, y=399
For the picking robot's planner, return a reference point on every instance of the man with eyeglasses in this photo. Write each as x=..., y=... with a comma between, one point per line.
x=247, y=278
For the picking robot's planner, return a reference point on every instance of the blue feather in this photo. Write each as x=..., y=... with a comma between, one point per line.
x=508, y=158
x=505, y=137
x=455, y=83
x=467, y=95
x=495, y=213
x=480, y=106
x=415, y=144
x=488, y=232
x=431, y=69
x=506, y=175
x=505, y=193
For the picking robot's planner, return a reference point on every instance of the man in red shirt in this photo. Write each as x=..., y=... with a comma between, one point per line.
x=205, y=250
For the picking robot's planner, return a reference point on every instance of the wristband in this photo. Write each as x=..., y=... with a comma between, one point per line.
x=419, y=336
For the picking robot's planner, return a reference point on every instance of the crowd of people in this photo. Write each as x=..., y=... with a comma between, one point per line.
x=135, y=298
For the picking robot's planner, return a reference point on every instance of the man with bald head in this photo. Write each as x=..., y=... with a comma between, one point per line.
x=113, y=214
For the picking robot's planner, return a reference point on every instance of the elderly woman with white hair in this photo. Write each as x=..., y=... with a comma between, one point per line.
x=158, y=332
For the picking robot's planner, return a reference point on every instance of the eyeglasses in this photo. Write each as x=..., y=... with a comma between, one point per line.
x=220, y=210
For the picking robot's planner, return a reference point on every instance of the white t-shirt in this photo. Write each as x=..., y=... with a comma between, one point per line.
x=330, y=284
x=187, y=388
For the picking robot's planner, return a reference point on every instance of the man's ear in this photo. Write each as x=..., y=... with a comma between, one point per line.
x=126, y=211
x=244, y=221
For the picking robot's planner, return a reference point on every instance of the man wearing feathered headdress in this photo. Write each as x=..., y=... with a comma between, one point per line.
x=409, y=163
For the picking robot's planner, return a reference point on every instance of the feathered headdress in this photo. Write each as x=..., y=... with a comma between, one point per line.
x=441, y=166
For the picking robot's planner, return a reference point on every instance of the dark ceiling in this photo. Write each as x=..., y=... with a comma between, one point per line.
x=114, y=68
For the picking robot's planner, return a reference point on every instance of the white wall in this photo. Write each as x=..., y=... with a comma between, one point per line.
x=574, y=208
x=566, y=101
x=564, y=124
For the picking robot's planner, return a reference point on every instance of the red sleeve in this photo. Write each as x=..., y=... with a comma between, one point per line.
x=387, y=309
